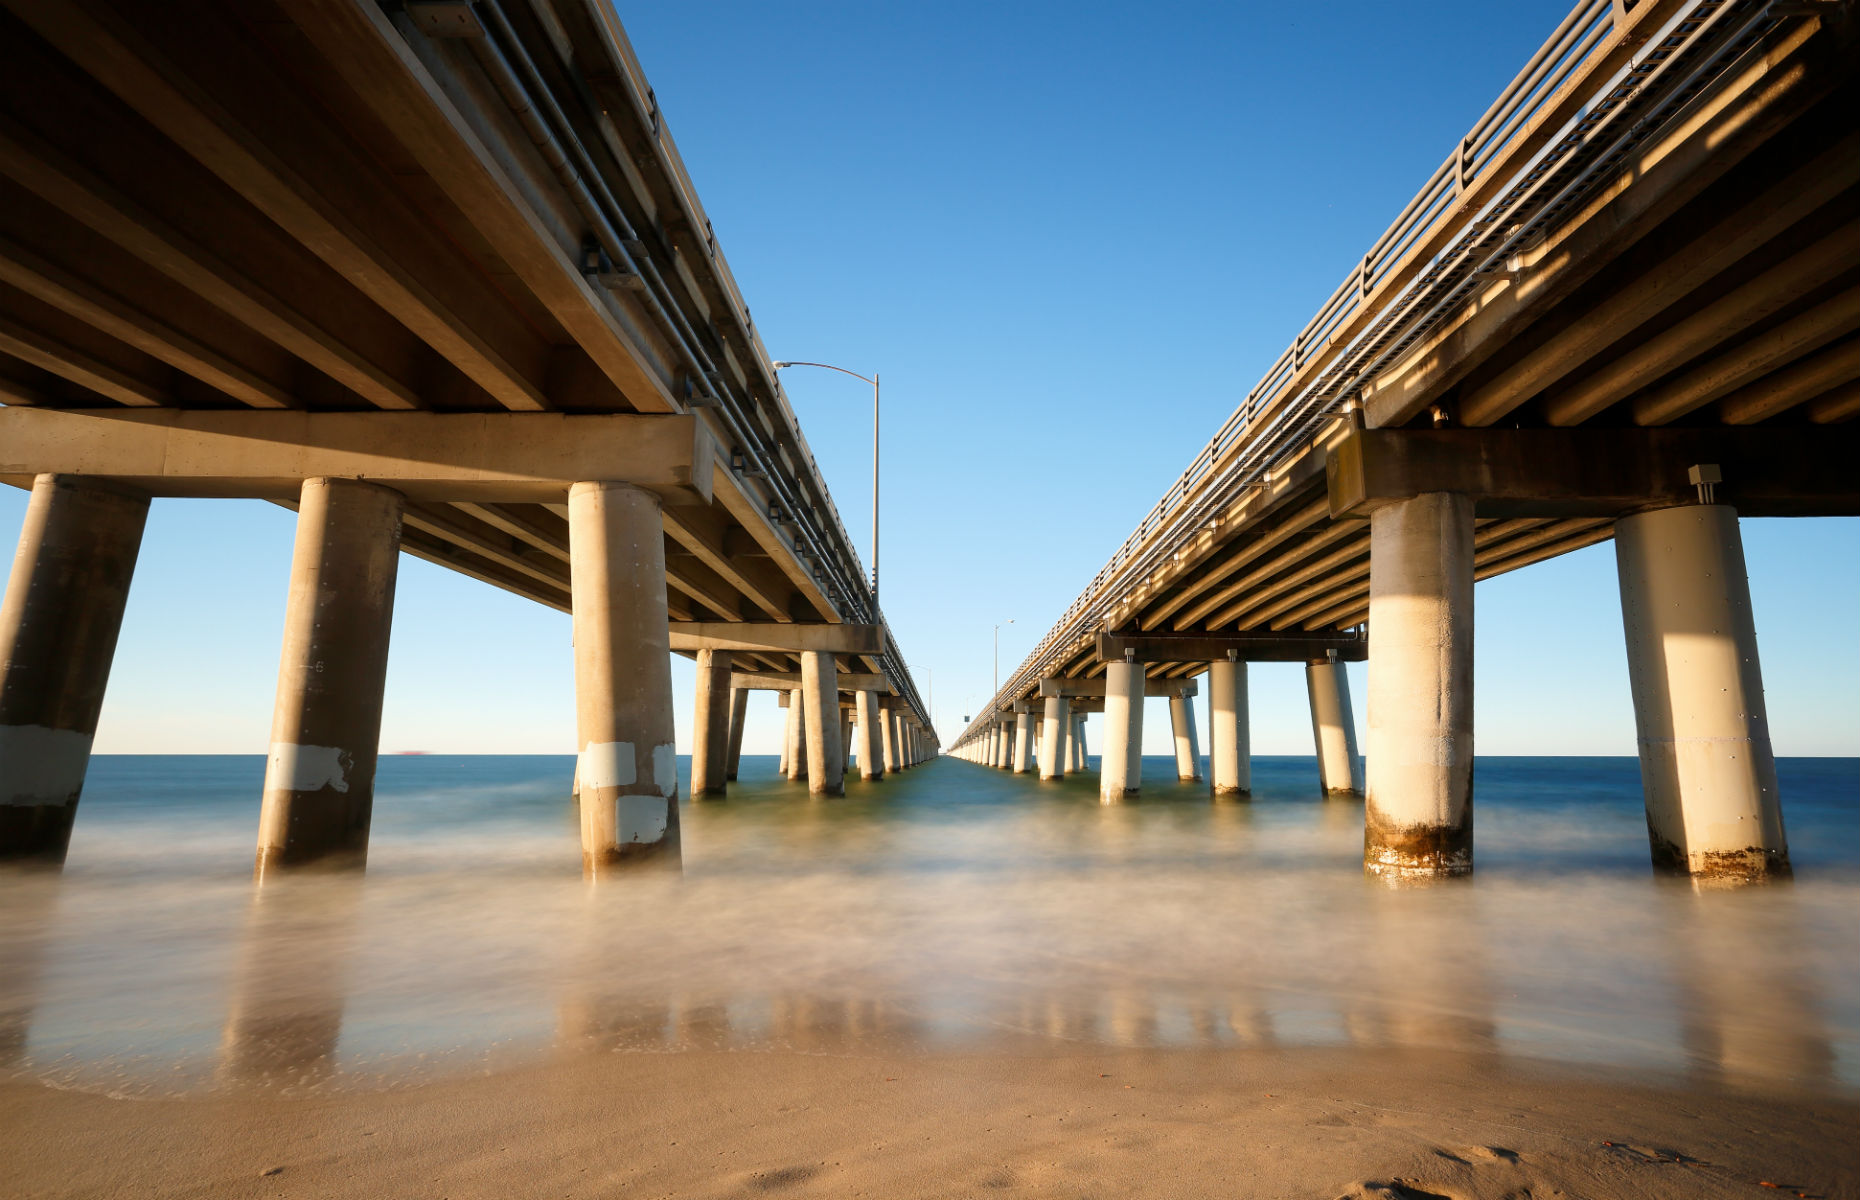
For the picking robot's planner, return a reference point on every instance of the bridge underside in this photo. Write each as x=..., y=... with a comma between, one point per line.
x=433, y=275
x=1714, y=286
x=322, y=208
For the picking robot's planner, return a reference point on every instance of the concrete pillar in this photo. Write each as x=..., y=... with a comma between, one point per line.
x=710, y=744
x=1706, y=768
x=326, y=724
x=1053, y=739
x=1187, y=750
x=58, y=626
x=1418, y=813
x=887, y=723
x=1077, y=742
x=1005, y=758
x=628, y=763
x=1333, y=726
x=871, y=757
x=797, y=735
x=1230, y=766
x=1023, y=743
x=739, y=711
x=846, y=738
x=787, y=732
x=820, y=688
x=1120, y=767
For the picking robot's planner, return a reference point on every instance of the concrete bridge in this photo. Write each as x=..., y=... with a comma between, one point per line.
x=432, y=273
x=1625, y=306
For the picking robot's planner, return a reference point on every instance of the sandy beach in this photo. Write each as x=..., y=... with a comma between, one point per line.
x=1068, y=1122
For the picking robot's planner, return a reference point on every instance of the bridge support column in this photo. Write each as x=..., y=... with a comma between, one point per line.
x=1057, y=719
x=1333, y=726
x=710, y=746
x=1007, y=743
x=797, y=735
x=627, y=769
x=1187, y=750
x=1023, y=743
x=1120, y=770
x=326, y=726
x=739, y=711
x=846, y=739
x=820, y=688
x=58, y=626
x=1077, y=744
x=787, y=734
x=1230, y=766
x=1419, y=814
x=1713, y=809
x=888, y=727
x=871, y=757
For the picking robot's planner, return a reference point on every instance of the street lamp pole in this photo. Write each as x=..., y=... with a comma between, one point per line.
x=1009, y=621
x=873, y=380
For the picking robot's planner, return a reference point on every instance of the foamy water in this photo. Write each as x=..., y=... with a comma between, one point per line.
x=954, y=906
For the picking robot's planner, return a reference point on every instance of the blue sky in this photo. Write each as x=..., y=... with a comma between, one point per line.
x=1070, y=238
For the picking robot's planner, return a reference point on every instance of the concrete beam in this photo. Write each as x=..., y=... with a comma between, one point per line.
x=1598, y=472
x=482, y=457
x=773, y=635
x=1096, y=687
x=784, y=681
x=1247, y=647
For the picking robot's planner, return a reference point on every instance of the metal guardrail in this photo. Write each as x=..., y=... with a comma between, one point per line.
x=1510, y=180
x=820, y=534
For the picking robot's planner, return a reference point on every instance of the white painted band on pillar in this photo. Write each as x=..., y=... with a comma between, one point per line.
x=294, y=768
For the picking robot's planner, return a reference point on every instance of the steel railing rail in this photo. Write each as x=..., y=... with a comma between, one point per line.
x=803, y=508
x=1475, y=212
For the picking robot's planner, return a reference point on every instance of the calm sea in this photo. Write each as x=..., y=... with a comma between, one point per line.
x=952, y=906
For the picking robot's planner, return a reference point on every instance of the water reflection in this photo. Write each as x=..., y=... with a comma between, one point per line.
x=291, y=981
x=924, y=913
x=1751, y=1015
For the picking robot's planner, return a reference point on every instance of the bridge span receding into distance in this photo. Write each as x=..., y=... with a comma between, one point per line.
x=1626, y=307
x=432, y=273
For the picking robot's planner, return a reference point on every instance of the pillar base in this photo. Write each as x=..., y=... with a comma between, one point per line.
x=1753, y=864
x=36, y=835
x=1416, y=851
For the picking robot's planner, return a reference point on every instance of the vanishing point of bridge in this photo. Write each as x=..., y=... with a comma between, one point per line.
x=430, y=272
x=1626, y=306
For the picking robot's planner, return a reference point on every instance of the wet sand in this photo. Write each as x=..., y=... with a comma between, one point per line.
x=1033, y=1121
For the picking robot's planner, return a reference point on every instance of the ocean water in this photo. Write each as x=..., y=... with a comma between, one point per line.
x=952, y=906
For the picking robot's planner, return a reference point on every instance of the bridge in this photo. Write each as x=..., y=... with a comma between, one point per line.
x=1625, y=306
x=432, y=273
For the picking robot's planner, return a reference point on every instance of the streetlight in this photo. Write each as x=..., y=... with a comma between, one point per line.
x=1009, y=621
x=873, y=380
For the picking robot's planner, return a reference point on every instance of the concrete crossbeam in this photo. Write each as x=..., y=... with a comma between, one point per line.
x=1096, y=687
x=1246, y=647
x=772, y=635
x=1603, y=472
x=481, y=457
x=784, y=681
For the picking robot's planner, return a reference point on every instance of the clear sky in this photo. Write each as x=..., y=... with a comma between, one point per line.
x=1069, y=237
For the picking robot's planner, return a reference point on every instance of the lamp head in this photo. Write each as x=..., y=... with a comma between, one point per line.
x=783, y=365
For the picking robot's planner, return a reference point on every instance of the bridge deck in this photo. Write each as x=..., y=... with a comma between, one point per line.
x=1657, y=225
x=341, y=207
